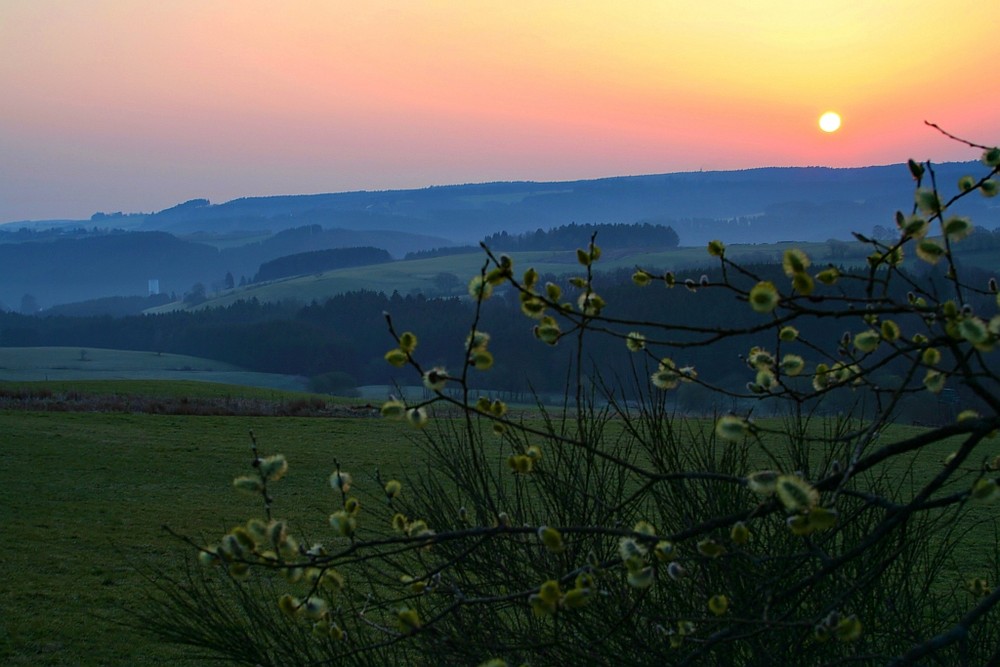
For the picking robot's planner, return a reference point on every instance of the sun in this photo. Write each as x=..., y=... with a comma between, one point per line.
x=829, y=122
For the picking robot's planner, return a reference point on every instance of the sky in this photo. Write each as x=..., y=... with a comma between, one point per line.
x=137, y=105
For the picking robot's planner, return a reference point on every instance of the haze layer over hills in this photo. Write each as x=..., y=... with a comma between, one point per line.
x=117, y=254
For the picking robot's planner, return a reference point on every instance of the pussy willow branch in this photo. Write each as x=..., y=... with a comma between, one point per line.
x=955, y=138
x=471, y=440
x=893, y=519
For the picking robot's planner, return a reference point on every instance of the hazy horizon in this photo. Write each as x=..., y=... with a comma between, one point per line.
x=137, y=106
x=87, y=215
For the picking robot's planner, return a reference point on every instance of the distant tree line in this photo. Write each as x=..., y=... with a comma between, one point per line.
x=28, y=234
x=567, y=237
x=341, y=336
x=317, y=261
x=441, y=252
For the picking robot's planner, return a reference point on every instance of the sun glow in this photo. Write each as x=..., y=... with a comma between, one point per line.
x=829, y=122
x=306, y=96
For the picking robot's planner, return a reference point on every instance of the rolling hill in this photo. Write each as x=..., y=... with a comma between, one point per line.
x=201, y=242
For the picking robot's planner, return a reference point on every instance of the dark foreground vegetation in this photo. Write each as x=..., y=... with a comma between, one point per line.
x=799, y=524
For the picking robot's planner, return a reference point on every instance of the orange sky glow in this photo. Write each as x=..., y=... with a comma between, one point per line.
x=136, y=105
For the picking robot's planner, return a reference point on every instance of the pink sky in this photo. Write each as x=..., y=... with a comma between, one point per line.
x=136, y=105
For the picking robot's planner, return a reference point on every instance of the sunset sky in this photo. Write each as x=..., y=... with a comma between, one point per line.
x=136, y=105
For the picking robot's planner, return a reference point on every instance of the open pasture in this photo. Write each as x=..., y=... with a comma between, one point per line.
x=26, y=364
x=86, y=496
x=419, y=274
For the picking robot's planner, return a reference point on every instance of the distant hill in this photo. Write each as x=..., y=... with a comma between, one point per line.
x=77, y=265
x=201, y=242
x=62, y=271
x=115, y=306
x=753, y=205
x=246, y=258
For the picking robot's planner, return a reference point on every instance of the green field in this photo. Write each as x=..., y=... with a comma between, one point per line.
x=418, y=275
x=74, y=363
x=86, y=496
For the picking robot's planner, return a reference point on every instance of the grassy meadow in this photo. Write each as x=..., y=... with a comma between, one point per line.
x=26, y=364
x=87, y=495
x=418, y=275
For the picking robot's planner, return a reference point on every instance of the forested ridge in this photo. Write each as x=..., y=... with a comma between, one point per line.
x=567, y=237
x=344, y=334
x=317, y=261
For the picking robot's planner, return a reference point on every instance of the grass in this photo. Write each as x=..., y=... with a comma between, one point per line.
x=86, y=496
x=418, y=275
x=73, y=363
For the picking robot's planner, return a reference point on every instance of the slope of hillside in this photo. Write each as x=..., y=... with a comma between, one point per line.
x=449, y=275
x=801, y=203
x=811, y=204
x=65, y=363
x=81, y=266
